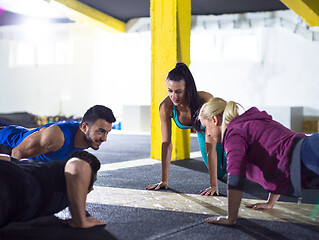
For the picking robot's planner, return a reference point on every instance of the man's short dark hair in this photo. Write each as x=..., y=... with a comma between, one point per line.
x=89, y=158
x=96, y=112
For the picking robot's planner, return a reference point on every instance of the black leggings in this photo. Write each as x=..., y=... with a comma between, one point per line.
x=11, y=191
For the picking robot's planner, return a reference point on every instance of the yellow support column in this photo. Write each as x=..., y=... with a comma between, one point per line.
x=170, y=26
x=308, y=10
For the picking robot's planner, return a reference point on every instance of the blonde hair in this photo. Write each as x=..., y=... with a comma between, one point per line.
x=220, y=108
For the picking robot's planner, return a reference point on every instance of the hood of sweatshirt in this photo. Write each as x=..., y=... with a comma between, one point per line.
x=251, y=114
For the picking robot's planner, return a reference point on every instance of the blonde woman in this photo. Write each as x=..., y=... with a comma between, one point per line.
x=261, y=150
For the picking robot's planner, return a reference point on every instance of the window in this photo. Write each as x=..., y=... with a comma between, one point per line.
x=42, y=53
x=241, y=47
x=226, y=46
x=25, y=54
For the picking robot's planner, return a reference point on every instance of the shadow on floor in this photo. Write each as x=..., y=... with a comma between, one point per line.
x=51, y=228
x=310, y=196
x=256, y=230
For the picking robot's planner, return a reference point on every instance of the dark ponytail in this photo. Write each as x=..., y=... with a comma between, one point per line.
x=182, y=72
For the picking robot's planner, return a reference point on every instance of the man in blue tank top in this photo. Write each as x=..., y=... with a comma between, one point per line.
x=57, y=141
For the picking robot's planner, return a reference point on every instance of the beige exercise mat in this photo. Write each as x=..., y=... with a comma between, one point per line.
x=211, y=205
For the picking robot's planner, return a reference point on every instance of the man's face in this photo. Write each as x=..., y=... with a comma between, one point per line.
x=96, y=133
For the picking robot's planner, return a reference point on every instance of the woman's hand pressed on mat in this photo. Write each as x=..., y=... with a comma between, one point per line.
x=209, y=191
x=157, y=186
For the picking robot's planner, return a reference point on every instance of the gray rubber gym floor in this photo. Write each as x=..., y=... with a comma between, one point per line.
x=187, y=177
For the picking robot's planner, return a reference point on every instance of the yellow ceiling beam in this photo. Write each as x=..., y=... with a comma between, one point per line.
x=308, y=10
x=81, y=12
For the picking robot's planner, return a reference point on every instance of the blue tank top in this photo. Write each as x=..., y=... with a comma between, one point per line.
x=13, y=135
x=221, y=168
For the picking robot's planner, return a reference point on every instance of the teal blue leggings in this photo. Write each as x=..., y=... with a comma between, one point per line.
x=221, y=158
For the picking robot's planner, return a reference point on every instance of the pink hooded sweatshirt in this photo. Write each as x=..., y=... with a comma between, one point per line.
x=259, y=149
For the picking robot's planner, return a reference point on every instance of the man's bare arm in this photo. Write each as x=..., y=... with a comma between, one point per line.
x=50, y=139
x=78, y=175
